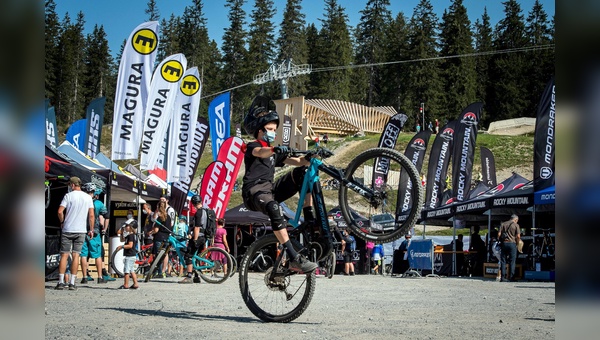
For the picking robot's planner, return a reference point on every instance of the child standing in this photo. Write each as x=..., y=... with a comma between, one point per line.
x=129, y=257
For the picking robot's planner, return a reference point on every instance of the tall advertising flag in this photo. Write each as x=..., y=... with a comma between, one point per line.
x=179, y=189
x=543, y=141
x=488, y=167
x=219, y=121
x=51, y=137
x=231, y=154
x=388, y=139
x=415, y=151
x=182, y=125
x=439, y=160
x=76, y=134
x=287, y=130
x=133, y=82
x=161, y=100
x=95, y=118
x=464, y=151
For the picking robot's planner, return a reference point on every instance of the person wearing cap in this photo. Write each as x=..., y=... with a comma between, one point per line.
x=401, y=256
x=92, y=247
x=509, y=236
x=76, y=217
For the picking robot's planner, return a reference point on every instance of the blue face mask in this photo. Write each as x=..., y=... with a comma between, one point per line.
x=269, y=136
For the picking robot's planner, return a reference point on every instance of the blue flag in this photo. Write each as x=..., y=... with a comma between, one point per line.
x=76, y=134
x=219, y=121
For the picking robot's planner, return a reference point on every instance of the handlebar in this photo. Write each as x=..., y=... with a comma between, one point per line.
x=319, y=151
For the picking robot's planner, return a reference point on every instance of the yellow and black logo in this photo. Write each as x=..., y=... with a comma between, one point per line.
x=172, y=71
x=144, y=41
x=190, y=85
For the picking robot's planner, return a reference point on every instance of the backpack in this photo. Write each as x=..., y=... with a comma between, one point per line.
x=352, y=243
x=210, y=226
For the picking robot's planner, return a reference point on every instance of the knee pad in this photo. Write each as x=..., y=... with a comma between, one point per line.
x=274, y=212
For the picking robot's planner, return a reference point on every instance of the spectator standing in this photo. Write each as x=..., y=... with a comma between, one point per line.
x=377, y=257
x=92, y=247
x=197, y=239
x=348, y=246
x=401, y=256
x=163, y=226
x=509, y=234
x=220, y=241
x=418, y=127
x=460, y=256
x=148, y=225
x=437, y=126
x=75, y=224
x=477, y=251
x=430, y=126
x=129, y=253
x=325, y=139
x=170, y=210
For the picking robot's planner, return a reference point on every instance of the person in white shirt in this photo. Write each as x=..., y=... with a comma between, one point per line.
x=75, y=225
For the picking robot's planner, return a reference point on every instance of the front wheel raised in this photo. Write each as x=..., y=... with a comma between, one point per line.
x=276, y=295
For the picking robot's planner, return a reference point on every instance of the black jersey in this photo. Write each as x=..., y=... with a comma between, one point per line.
x=260, y=169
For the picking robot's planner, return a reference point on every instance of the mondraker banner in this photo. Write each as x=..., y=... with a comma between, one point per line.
x=388, y=139
x=51, y=136
x=133, y=82
x=464, y=151
x=488, y=167
x=219, y=121
x=76, y=134
x=439, y=160
x=543, y=141
x=287, y=130
x=182, y=125
x=161, y=101
x=95, y=119
x=415, y=151
x=180, y=189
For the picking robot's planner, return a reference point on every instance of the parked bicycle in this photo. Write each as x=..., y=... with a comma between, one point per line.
x=143, y=260
x=280, y=294
x=539, y=249
x=207, y=264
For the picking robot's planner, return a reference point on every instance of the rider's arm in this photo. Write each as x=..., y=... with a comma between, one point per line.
x=296, y=161
x=263, y=152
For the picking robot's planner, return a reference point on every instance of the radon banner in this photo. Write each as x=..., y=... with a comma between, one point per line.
x=388, y=139
x=51, y=137
x=161, y=101
x=95, y=119
x=185, y=114
x=439, y=159
x=232, y=155
x=543, y=141
x=180, y=189
x=219, y=121
x=133, y=82
x=464, y=151
x=415, y=151
x=488, y=167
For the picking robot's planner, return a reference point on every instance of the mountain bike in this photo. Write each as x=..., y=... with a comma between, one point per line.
x=540, y=249
x=369, y=185
x=143, y=259
x=208, y=264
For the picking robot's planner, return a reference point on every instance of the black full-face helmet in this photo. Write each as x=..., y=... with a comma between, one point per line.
x=259, y=114
x=196, y=199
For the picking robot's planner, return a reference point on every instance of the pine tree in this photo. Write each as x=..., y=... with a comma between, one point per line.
x=540, y=62
x=234, y=57
x=152, y=11
x=483, y=43
x=370, y=40
x=335, y=49
x=98, y=80
x=424, y=76
x=170, y=35
x=314, y=46
x=509, y=70
x=395, y=83
x=261, y=43
x=52, y=32
x=292, y=45
x=458, y=74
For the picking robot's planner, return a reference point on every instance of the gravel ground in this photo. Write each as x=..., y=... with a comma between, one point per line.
x=345, y=307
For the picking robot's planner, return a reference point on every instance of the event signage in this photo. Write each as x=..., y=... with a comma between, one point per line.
x=133, y=82
x=387, y=140
x=182, y=124
x=439, y=159
x=420, y=254
x=464, y=151
x=219, y=121
x=161, y=100
x=415, y=151
x=232, y=155
x=180, y=189
x=51, y=137
x=95, y=119
x=488, y=167
x=543, y=141
x=287, y=130
x=76, y=134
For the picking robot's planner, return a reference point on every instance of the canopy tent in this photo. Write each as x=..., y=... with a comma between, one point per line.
x=479, y=189
x=135, y=172
x=545, y=196
x=79, y=157
x=107, y=163
x=57, y=164
x=240, y=215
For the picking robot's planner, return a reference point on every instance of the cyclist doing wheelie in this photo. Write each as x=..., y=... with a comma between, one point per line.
x=197, y=241
x=259, y=191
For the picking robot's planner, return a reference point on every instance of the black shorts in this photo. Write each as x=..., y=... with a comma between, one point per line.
x=347, y=257
x=258, y=195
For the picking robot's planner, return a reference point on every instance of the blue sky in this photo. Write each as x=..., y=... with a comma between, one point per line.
x=120, y=17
